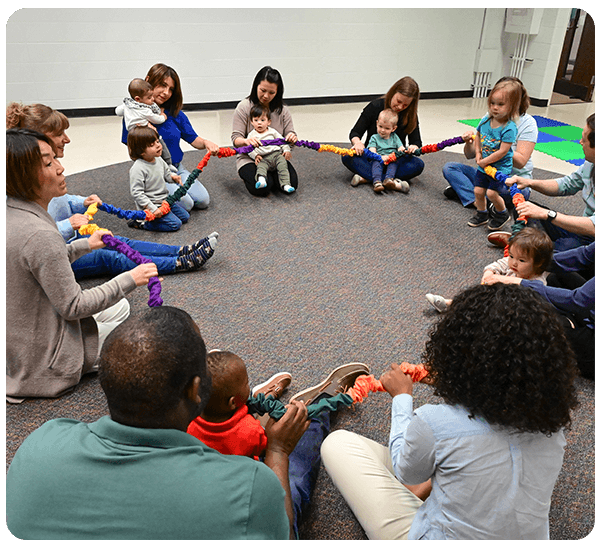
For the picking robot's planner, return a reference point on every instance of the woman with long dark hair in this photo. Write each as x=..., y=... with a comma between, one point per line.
x=267, y=90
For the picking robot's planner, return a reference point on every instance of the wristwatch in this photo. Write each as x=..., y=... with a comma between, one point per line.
x=551, y=215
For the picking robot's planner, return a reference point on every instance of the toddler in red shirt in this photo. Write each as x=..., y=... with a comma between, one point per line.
x=225, y=424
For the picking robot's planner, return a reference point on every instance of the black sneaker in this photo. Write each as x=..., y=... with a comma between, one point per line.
x=450, y=193
x=136, y=224
x=479, y=219
x=498, y=220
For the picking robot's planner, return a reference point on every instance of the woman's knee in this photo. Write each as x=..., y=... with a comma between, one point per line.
x=336, y=442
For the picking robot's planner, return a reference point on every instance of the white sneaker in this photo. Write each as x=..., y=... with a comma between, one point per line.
x=402, y=185
x=357, y=180
x=438, y=302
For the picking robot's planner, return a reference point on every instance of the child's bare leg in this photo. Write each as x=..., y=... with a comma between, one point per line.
x=480, y=198
x=496, y=200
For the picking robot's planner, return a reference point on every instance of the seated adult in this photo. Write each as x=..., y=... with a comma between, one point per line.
x=168, y=96
x=565, y=230
x=492, y=449
x=68, y=210
x=267, y=90
x=403, y=99
x=461, y=177
x=55, y=329
x=137, y=474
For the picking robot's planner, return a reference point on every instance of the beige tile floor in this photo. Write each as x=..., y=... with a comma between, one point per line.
x=95, y=141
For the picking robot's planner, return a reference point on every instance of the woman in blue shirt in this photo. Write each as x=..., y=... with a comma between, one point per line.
x=177, y=127
x=481, y=464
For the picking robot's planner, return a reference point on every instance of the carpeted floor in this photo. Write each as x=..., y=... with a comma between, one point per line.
x=308, y=281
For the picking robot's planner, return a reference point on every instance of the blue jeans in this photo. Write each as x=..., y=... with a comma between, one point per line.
x=462, y=179
x=171, y=221
x=304, y=464
x=563, y=239
x=407, y=166
x=105, y=261
x=378, y=169
x=197, y=196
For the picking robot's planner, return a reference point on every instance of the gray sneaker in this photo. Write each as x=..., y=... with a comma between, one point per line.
x=339, y=380
x=478, y=219
x=438, y=302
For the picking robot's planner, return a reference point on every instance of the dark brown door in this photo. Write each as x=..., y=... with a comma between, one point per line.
x=575, y=76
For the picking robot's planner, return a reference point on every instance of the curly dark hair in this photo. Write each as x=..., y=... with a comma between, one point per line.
x=501, y=353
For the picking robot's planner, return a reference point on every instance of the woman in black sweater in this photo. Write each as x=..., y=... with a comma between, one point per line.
x=402, y=98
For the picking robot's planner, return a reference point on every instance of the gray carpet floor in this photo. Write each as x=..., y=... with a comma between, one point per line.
x=308, y=281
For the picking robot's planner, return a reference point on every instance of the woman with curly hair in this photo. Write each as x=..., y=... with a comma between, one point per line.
x=485, y=460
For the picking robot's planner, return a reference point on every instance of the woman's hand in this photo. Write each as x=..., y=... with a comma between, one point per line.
x=78, y=220
x=396, y=382
x=211, y=147
x=292, y=138
x=411, y=149
x=143, y=273
x=358, y=146
x=95, y=239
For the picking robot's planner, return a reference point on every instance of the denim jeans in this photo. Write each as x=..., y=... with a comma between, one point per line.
x=407, y=166
x=462, y=178
x=197, y=196
x=304, y=464
x=378, y=169
x=106, y=261
x=171, y=221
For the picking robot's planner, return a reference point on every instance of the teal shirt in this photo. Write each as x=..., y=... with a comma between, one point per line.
x=73, y=480
x=385, y=146
x=492, y=138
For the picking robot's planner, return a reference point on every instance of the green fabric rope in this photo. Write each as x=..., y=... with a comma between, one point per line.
x=275, y=408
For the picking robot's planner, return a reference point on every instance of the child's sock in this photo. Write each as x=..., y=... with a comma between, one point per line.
x=288, y=189
x=260, y=183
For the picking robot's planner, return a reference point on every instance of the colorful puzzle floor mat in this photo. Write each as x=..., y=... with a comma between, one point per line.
x=555, y=138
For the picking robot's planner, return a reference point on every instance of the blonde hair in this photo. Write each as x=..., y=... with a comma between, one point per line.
x=513, y=90
x=388, y=115
x=37, y=117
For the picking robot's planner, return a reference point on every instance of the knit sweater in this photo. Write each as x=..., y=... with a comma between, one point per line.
x=281, y=122
x=51, y=336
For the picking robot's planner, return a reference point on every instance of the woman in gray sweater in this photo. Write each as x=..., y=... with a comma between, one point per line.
x=267, y=90
x=54, y=328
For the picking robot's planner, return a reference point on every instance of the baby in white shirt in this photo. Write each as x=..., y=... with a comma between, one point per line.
x=139, y=109
x=271, y=157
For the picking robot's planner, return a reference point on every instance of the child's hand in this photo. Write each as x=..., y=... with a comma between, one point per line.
x=504, y=279
x=384, y=158
x=257, y=159
x=487, y=274
x=177, y=179
x=158, y=213
x=287, y=155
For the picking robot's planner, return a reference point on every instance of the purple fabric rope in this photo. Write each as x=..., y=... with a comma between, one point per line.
x=154, y=287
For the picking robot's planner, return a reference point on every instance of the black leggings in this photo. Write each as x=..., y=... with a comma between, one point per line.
x=248, y=175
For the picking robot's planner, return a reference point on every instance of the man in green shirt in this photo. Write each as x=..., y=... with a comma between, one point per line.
x=137, y=474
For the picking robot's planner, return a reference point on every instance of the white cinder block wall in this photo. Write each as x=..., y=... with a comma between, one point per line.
x=84, y=58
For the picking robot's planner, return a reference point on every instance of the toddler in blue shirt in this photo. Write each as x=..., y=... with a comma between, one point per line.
x=496, y=133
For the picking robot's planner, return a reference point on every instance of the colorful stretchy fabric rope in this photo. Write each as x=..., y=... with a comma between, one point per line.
x=427, y=149
x=165, y=208
x=517, y=198
x=154, y=286
x=363, y=385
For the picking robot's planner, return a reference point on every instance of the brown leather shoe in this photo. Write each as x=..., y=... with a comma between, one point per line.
x=499, y=238
x=273, y=386
x=339, y=380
